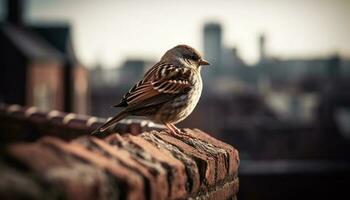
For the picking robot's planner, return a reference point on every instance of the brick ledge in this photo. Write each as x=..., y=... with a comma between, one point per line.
x=151, y=165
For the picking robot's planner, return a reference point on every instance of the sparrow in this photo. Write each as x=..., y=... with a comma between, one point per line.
x=168, y=92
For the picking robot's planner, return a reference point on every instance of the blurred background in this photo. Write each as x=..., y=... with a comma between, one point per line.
x=278, y=88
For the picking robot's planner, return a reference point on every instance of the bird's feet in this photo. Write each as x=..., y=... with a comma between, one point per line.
x=174, y=130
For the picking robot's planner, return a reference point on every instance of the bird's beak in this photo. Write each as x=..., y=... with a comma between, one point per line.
x=203, y=62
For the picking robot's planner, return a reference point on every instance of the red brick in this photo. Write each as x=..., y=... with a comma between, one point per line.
x=32, y=155
x=142, y=157
x=173, y=166
x=154, y=181
x=167, y=167
x=206, y=165
x=55, y=118
x=64, y=174
x=193, y=176
x=133, y=182
x=228, y=190
x=37, y=117
x=15, y=111
x=233, y=155
x=208, y=149
x=18, y=185
x=76, y=122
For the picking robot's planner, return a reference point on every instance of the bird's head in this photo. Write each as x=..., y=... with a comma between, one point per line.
x=186, y=55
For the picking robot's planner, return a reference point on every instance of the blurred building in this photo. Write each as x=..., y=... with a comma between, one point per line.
x=101, y=77
x=276, y=108
x=262, y=48
x=38, y=65
x=227, y=68
x=132, y=71
x=212, y=42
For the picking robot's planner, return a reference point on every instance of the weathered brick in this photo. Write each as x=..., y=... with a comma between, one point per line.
x=233, y=156
x=15, y=111
x=19, y=185
x=206, y=164
x=76, y=121
x=153, y=165
x=63, y=173
x=130, y=180
x=143, y=158
x=227, y=190
x=152, y=181
x=36, y=117
x=32, y=156
x=55, y=118
x=191, y=169
x=210, y=150
x=175, y=169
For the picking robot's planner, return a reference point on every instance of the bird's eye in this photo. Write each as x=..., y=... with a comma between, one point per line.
x=190, y=58
x=194, y=57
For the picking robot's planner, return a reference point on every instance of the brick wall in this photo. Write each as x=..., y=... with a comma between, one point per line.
x=70, y=164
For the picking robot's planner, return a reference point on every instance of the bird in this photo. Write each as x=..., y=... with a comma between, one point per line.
x=168, y=92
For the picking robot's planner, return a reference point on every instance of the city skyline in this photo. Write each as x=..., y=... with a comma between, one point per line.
x=105, y=32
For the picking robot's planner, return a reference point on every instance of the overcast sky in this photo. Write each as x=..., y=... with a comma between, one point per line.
x=109, y=31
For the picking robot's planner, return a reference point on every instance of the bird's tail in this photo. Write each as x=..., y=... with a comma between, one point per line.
x=110, y=123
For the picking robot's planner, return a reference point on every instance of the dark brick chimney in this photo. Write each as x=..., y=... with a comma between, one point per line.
x=15, y=11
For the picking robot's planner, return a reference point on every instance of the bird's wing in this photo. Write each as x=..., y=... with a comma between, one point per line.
x=161, y=83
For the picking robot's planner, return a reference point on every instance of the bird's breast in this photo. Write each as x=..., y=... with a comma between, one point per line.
x=183, y=105
x=196, y=91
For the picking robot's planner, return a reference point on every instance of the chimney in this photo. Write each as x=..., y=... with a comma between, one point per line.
x=15, y=13
x=262, y=48
x=334, y=66
x=235, y=51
